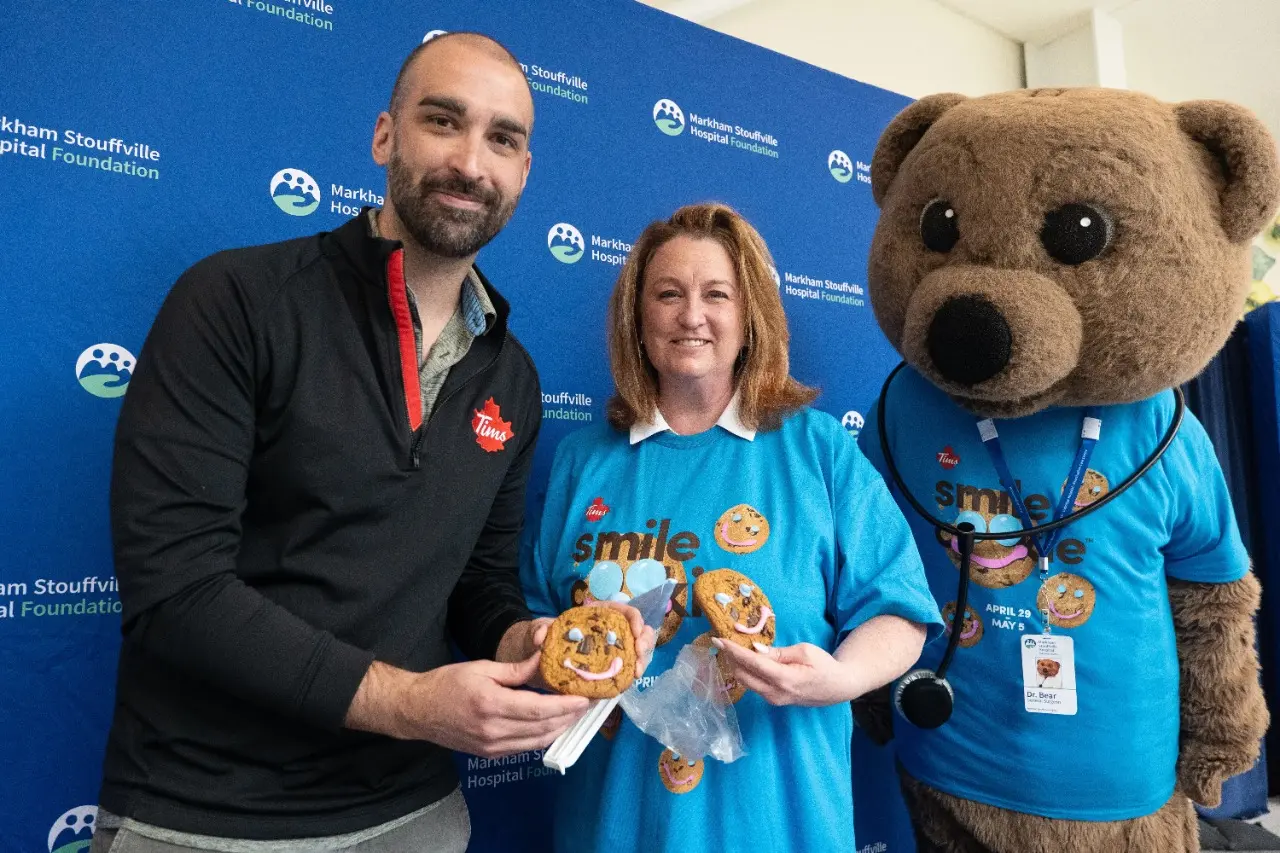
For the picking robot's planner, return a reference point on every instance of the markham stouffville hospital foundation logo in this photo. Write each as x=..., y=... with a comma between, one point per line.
x=672, y=121
x=668, y=117
x=295, y=192
x=543, y=80
x=853, y=422
x=311, y=13
x=73, y=831
x=840, y=166
x=565, y=243
x=104, y=370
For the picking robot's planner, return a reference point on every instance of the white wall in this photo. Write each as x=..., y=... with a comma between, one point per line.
x=914, y=47
x=1180, y=50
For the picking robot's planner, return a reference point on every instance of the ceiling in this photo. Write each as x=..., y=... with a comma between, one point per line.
x=1034, y=21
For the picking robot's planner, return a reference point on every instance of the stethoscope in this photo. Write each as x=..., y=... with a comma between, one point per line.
x=924, y=697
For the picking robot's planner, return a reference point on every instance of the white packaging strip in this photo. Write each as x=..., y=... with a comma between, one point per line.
x=569, y=746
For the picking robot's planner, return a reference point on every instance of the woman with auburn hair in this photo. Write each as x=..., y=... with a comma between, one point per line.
x=712, y=460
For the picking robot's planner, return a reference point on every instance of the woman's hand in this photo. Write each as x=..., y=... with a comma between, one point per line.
x=875, y=653
x=802, y=674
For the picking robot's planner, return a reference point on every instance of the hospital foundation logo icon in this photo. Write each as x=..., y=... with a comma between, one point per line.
x=853, y=423
x=565, y=243
x=840, y=166
x=773, y=274
x=295, y=192
x=668, y=117
x=429, y=36
x=73, y=832
x=104, y=370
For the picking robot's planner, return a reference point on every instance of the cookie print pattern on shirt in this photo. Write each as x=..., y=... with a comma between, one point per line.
x=1001, y=563
x=623, y=565
x=680, y=775
x=1093, y=489
x=1068, y=598
x=741, y=529
x=970, y=630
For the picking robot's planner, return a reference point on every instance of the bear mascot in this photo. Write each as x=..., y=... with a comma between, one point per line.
x=1051, y=265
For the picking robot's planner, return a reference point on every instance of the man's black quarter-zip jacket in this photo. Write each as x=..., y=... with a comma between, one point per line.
x=281, y=517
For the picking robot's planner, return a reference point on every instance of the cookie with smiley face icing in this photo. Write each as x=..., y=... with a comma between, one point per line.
x=680, y=775
x=1093, y=488
x=970, y=630
x=589, y=651
x=742, y=529
x=737, y=609
x=733, y=690
x=1068, y=598
x=996, y=563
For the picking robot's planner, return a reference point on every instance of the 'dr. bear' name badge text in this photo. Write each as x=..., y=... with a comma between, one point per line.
x=1048, y=674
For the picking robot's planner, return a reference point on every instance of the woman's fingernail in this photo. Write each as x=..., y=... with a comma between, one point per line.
x=761, y=648
x=717, y=642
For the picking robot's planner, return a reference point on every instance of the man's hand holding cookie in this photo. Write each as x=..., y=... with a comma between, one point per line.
x=596, y=650
x=473, y=707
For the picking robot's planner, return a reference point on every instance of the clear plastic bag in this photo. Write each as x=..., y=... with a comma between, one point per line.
x=686, y=709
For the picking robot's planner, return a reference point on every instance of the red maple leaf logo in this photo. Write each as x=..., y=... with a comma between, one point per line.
x=597, y=510
x=947, y=458
x=492, y=432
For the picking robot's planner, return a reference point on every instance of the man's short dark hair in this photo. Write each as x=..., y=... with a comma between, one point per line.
x=494, y=47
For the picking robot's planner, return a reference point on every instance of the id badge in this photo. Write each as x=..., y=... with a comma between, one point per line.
x=1049, y=674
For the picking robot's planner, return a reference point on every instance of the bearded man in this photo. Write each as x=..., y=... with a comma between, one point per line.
x=318, y=485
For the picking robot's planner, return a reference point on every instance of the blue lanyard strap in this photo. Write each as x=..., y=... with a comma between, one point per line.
x=1090, y=430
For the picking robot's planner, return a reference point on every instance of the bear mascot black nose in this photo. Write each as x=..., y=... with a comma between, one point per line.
x=969, y=340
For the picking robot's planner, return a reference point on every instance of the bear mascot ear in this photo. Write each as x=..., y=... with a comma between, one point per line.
x=1243, y=158
x=902, y=134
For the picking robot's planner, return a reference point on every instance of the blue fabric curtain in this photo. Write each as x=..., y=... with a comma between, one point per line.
x=1226, y=399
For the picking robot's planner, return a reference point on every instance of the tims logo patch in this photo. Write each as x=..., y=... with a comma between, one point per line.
x=492, y=432
x=947, y=458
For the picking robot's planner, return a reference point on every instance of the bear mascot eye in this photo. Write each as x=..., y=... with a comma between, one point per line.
x=1075, y=233
x=939, y=226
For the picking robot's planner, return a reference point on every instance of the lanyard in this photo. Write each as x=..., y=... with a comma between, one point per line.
x=1090, y=430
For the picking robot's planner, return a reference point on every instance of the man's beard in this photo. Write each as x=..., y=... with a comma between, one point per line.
x=449, y=232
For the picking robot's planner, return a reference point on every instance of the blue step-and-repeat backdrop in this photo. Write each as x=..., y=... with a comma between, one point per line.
x=137, y=138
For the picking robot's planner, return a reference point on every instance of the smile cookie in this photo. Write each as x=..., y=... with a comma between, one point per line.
x=737, y=609
x=970, y=630
x=623, y=579
x=1068, y=598
x=996, y=563
x=1092, y=489
x=742, y=529
x=733, y=691
x=680, y=775
x=589, y=651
